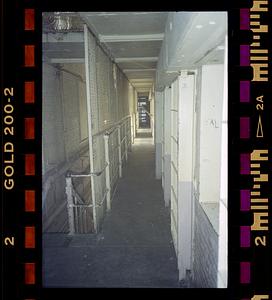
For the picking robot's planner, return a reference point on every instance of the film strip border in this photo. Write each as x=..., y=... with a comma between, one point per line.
x=254, y=201
x=30, y=159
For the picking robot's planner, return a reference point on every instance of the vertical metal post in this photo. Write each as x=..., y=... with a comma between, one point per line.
x=130, y=132
x=119, y=150
x=88, y=88
x=126, y=148
x=132, y=129
x=108, y=183
x=70, y=203
x=135, y=123
x=126, y=140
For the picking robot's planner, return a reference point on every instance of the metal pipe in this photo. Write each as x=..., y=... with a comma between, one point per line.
x=98, y=173
x=108, y=183
x=88, y=88
x=119, y=152
x=70, y=205
x=81, y=205
x=112, y=128
x=126, y=148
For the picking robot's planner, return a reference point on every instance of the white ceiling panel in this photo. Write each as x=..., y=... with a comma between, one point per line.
x=133, y=39
x=139, y=75
x=135, y=49
x=111, y=23
x=137, y=65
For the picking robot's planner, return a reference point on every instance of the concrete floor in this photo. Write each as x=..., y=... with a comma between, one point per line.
x=134, y=248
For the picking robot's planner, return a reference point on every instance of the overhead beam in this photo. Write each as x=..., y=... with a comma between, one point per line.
x=142, y=79
x=107, y=14
x=130, y=59
x=143, y=90
x=59, y=37
x=131, y=38
x=142, y=85
x=67, y=60
x=138, y=70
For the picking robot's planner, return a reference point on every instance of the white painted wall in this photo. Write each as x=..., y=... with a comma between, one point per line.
x=158, y=132
x=222, y=280
x=210, y=132
x=210, y=235
x=186, y=102
x=131, y=110
x=152, y=113
x=174, y=165
x=167, y=145
x=162, y=140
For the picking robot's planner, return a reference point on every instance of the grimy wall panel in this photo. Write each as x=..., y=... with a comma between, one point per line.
x=64, y=138
x=109, y=103
x=66, y=131
x=52, y=119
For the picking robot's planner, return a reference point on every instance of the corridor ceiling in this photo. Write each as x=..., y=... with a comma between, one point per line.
x=146, y=45
x=133, y=39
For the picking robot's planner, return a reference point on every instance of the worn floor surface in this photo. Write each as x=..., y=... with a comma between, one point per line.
x=134, y=248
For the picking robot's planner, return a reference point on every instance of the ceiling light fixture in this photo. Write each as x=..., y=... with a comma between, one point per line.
x=199, y=26
x=212, y=23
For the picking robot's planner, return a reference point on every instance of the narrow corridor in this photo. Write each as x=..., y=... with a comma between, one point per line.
x=134, y=247
x=157, y=81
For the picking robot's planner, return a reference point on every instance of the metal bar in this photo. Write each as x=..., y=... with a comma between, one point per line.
x=103, y=199
x=89, y=174
x=126, y=148
x=90, y=205
x=88, y=87
x=130, y=133
x=81, y=205
x=132, y=129
x=77, y=220
x=108, y=183
x=81, y=219
x=70, y=205
x=111, y=128
x=119, y=151
x=84, y=221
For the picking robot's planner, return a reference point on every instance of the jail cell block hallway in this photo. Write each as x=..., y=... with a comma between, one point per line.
x=134, y=247
x=134, y=149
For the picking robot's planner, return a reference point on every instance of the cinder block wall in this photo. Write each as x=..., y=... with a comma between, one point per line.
x=205, y=251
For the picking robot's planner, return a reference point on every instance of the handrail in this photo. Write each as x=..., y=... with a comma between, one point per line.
x=82, y=204
x=89, y=205
x=98, y=173
x=75, y=203
x=115, y=125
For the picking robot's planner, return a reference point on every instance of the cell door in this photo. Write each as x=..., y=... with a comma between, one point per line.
x=144, y=112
